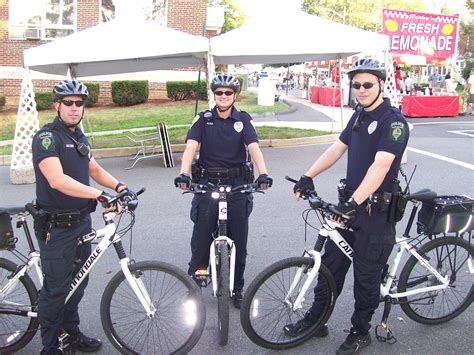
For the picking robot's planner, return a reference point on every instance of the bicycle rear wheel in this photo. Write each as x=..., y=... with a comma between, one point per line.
x=177, y=323
x=268, y=303
x=450, y=256
x=16, y=327
x=223, y=294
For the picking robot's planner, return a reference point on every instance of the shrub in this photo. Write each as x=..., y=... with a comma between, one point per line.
x=202, y=92
x=44, y=100
x=179, y=90
x=183, y=90
x=2, y=101
x=129, y=92
x=94, y=90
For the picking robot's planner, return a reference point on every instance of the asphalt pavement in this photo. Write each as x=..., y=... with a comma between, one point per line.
x=163, y=231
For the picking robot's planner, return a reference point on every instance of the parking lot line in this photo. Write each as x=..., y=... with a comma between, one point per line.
x=440, y=157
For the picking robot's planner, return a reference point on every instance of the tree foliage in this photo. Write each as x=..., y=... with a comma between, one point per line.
x=365, y=14
x=233, y=16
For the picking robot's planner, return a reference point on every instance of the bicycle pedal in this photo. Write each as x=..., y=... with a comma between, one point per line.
x=388, y=338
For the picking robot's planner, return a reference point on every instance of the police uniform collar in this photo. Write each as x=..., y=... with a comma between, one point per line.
x=379, y=110
x=58, y=124
x=234, y=113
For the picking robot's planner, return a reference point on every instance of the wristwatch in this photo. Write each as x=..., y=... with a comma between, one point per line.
x=119, y=184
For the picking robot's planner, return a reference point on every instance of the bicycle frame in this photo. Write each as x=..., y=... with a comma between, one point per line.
x=109, y=235
x=329, y=230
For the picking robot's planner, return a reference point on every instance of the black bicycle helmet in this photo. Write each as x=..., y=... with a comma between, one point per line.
x=225, y=81
x=371, y=66
x=69, y=88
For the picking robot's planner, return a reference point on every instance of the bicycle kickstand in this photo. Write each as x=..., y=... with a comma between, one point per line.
x=383, y=325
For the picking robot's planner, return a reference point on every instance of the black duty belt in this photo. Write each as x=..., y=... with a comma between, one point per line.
x=223, y=173
x=375, y=198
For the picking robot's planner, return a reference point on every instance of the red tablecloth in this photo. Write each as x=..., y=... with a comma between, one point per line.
x=314, y=93
x=329, y=96
x=430, y=106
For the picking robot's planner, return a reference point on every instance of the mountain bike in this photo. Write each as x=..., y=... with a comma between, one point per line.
x=147, y=307
x=434, y=286
x=222, y=253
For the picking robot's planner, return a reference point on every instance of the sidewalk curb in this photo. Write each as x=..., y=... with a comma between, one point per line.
x=179, y=148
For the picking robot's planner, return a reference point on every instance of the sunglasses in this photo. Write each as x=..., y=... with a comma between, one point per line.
x=226, y=93
x=69, y=103
x=367, y=86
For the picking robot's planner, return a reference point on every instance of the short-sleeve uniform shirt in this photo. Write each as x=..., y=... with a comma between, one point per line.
x=55, y=140
x=223, y=141
x=383, y=129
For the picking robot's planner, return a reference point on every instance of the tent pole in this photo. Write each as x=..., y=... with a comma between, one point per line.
x=196, y=92
x=340, y=92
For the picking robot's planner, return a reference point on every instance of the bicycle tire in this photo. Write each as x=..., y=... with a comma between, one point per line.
x=266, y=308
x=180, y=315
x=443, y=254
x=223, y=294
x=16, y=330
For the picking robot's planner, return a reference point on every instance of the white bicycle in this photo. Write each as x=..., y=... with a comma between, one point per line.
x=148, y=307
x=221, y=270
x=434, y=286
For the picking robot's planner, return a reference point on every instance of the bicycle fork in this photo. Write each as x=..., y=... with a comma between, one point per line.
x=138, y=288
x=212, y=258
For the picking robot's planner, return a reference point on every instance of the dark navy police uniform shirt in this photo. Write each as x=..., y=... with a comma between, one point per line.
x=223, y=141
x=383, y=129
x=54, y=140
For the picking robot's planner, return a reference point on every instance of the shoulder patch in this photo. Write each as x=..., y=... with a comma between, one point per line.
x=397, y=131
x=46, y=140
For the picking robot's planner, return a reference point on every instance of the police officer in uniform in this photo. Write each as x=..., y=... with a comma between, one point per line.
x=63, y=164
x=222, y=136
x=375, y=138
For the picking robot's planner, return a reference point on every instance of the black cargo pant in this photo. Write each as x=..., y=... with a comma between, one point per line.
x=371, y=252
x=204, y=214
x=61, y=258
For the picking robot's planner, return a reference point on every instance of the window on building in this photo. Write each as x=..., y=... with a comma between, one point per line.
x=152, y=10
x=41, y=19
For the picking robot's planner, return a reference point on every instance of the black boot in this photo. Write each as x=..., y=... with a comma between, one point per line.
x=301, y=326
x=354, y=342
x=83, y=343
x=237, y=298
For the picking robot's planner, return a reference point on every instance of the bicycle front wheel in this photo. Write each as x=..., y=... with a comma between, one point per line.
x=269, y=303
x=17, y=327
x=178, y=320
x=223, y=294
x=451, y=257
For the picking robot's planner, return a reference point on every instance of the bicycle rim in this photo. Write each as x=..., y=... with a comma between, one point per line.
x=450, y=256
x=268, y=304
x=16, y=330
x=223, y=294
x=177, y=323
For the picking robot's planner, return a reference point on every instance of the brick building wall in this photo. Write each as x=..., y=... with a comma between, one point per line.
x=184, y=15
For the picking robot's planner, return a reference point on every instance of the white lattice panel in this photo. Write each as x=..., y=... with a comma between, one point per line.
x=390, y=90
x=27, y=124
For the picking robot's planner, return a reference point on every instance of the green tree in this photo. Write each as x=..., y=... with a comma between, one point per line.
x=365, y=14
x=233, y=16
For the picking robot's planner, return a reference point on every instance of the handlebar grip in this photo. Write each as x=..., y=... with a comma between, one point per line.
x=139, y=192
x=291, y=179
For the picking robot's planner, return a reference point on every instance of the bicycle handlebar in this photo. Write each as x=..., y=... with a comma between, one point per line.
x=127, y=198
x=317, y=203
x=210, y=187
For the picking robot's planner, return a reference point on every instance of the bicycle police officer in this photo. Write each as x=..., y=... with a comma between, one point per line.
x=222, y=134
x=375, y=138
x=63, y=164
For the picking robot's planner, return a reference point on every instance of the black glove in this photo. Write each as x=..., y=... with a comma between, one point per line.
x=182, y=181
x=348, y=209
x=104, y=199
x=304, y=185
x=264, y=182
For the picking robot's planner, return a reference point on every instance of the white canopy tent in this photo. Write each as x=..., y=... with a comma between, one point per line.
x=268, y=40
x=118, y=46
